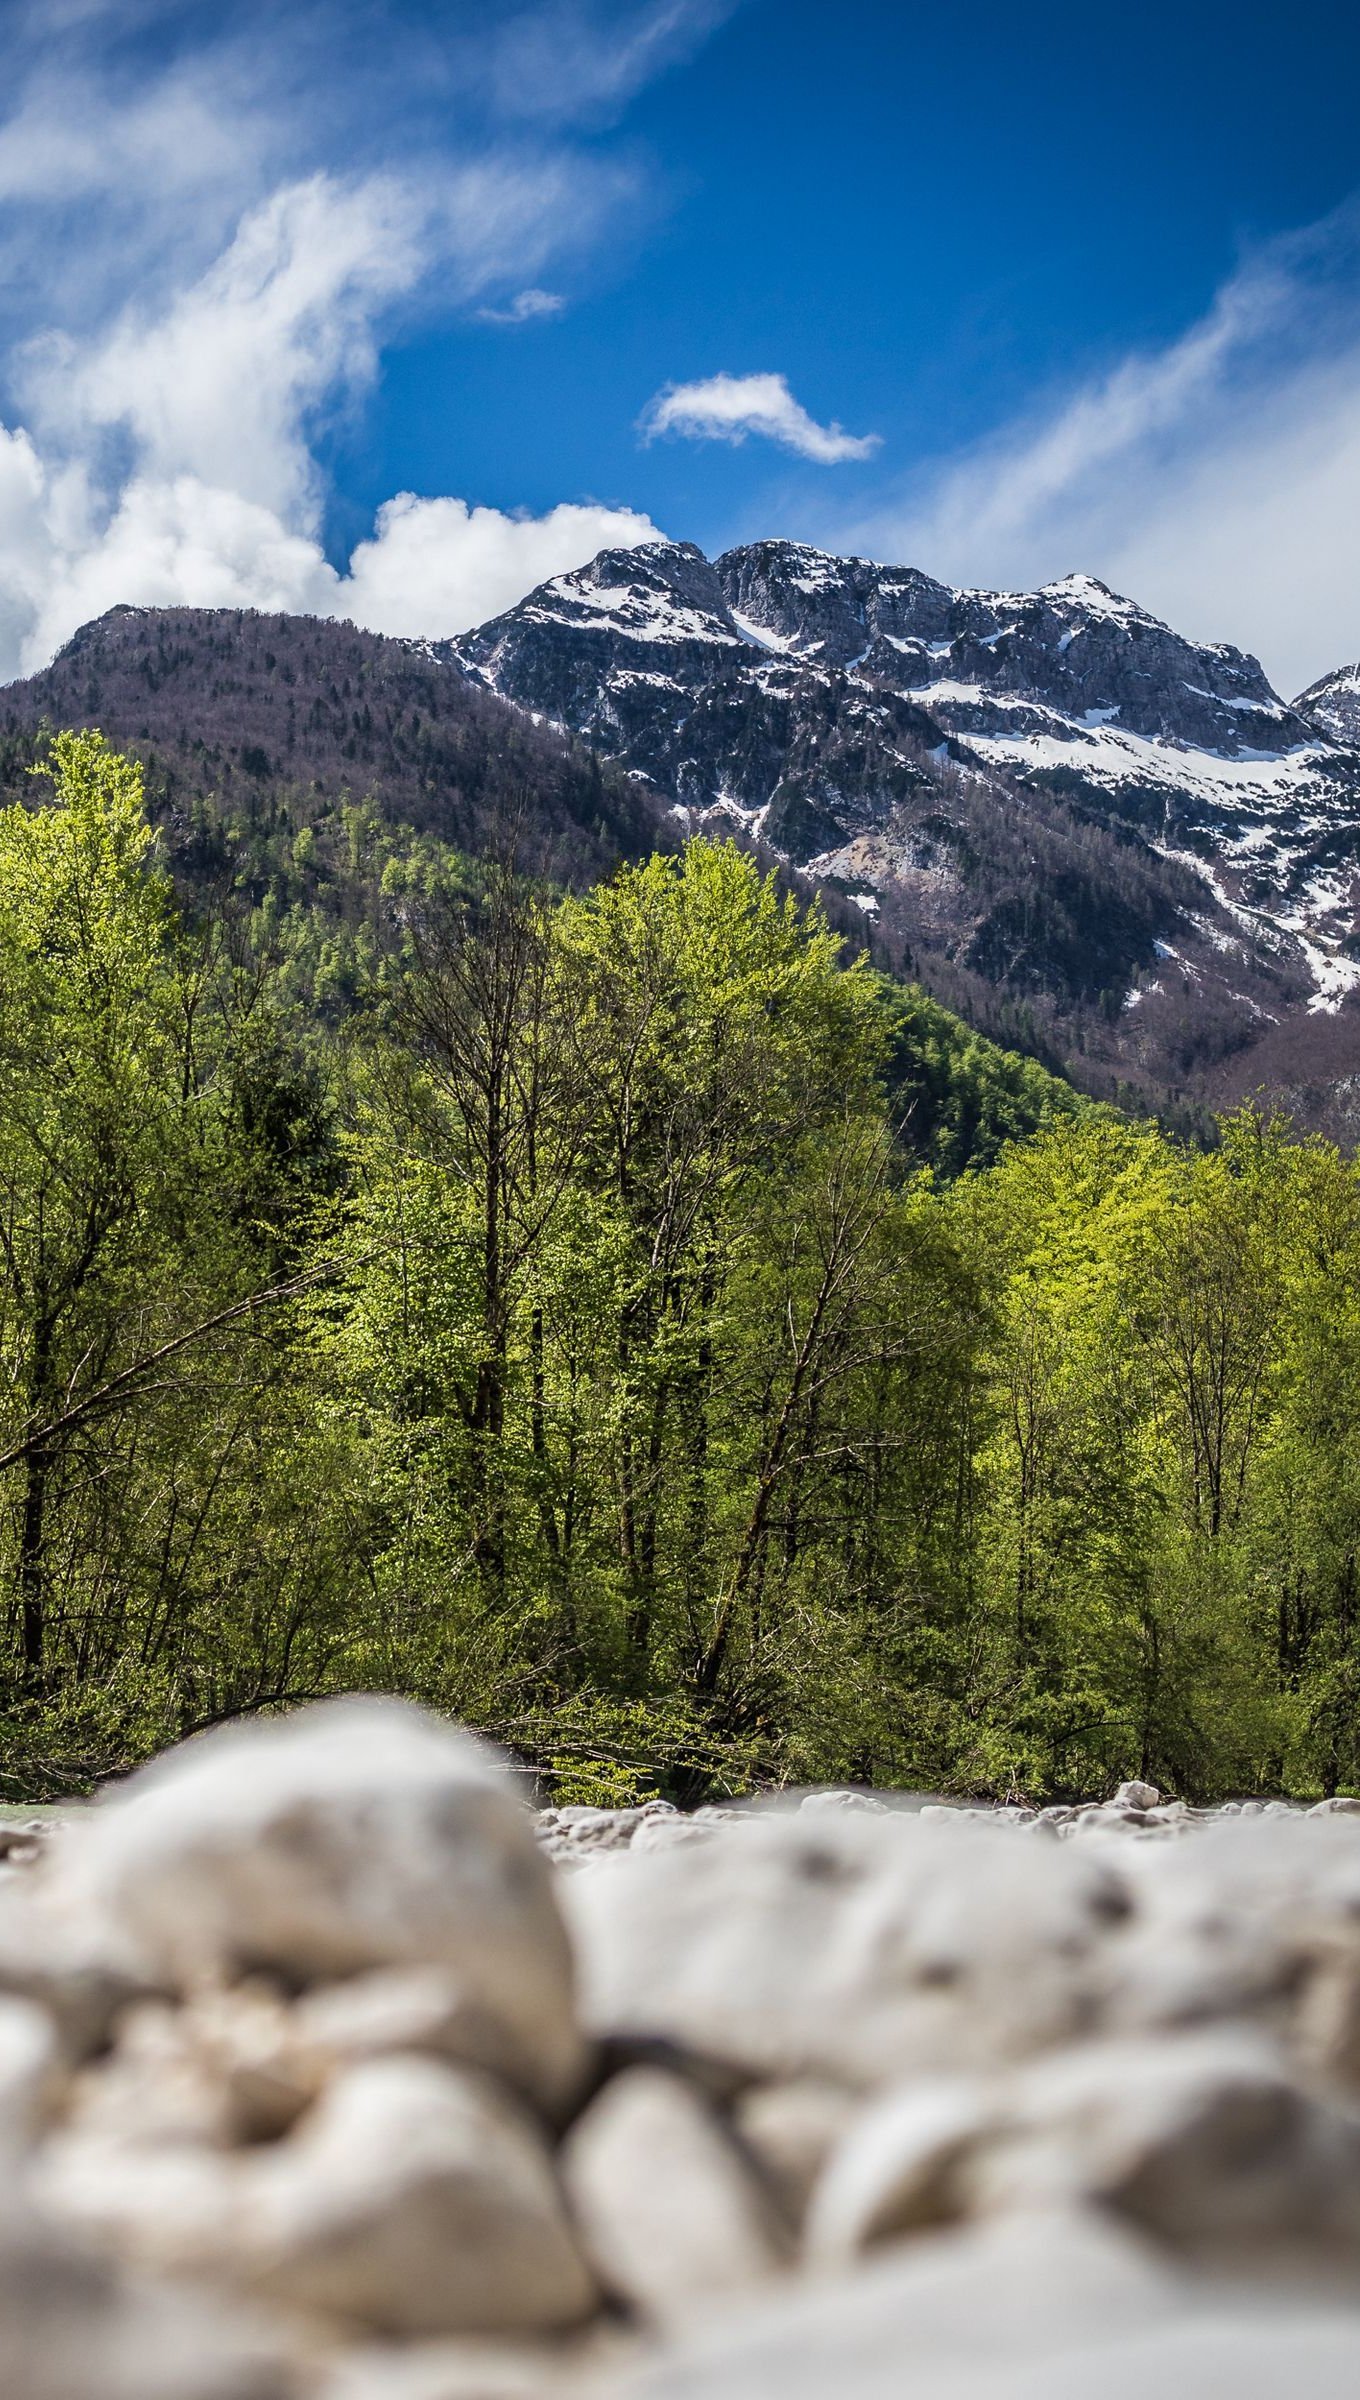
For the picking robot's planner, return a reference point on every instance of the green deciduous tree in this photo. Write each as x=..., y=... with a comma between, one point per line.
x=139, y=1262
x=612, y=1316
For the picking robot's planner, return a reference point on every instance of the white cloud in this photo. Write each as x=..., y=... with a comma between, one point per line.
x=565, y=57
x=524, y=308
x=161, y=448
x=1216, y=480
x=167, y=542
x=440, y=566
x=726, y=408
x=431, y=566
x=221, y=386
x=225, y=383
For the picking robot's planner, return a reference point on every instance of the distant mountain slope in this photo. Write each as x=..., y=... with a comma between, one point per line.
x=257, y=729
x=1094, y=840
x=268, y=712
x=1046, y=800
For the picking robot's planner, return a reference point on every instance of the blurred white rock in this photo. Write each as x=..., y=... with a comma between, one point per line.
x=576, y=2369
x=854, y=1947
x=947, y=2316
x=671, y=2213
x=1054, y=2306
x=298, y=2101
x=1238, y=1923
x=73, y=1961
x=573, y=1833
x=1204, y=2140
x=896, y=2169
x=791, y=2129
x=73, y=2327
x=168, y=2206
x=354, y=1835
x=413, y=2198
x=32, y=2077
x=418, y=2200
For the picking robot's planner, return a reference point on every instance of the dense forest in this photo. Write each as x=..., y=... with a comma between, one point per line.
x=612, y=1315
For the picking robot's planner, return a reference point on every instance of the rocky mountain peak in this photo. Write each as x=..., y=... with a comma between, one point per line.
x=629, y=617
x=1333, y=704
x=1052, y=791
x=788, y=596
x=1073, y=647
x=661, y=591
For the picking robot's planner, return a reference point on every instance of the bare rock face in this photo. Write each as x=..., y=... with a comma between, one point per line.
x=883, y=730
x=358, y=1835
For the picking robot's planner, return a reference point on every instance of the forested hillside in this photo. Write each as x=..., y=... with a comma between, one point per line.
x=612, y=1315
x=250, y=725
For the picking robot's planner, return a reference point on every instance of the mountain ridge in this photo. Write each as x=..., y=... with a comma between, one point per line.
x=1333, y=702
x=1042, y=795
x=1092, y=838
x=954, y=759
x=265, y=708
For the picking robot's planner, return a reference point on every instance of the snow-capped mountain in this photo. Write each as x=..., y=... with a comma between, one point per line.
x=1087, y=835
x=1334, y=704
x=1049, y=791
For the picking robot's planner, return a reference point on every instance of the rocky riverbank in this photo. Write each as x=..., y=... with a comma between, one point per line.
x=330, y=2072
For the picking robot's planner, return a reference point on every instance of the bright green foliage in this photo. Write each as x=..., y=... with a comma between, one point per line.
x=957, y=1100
x=141, y=1512
x=635, y=1240
x=610, y=1317
x=1168, y=1544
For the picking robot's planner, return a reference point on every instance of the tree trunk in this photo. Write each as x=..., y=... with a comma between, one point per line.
x=33, y=1520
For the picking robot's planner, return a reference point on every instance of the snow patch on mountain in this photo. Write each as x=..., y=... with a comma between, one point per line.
x=1334, y=704
x=833, y=706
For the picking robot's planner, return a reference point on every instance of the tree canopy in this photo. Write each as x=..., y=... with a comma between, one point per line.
x=696, y=1359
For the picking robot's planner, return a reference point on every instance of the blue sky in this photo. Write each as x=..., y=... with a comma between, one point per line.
x=1000, y=292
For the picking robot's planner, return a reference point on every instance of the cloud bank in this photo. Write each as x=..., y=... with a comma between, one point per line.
x=162, y=450
x=439, y=563
x=1216, y=480
x=726, y=408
